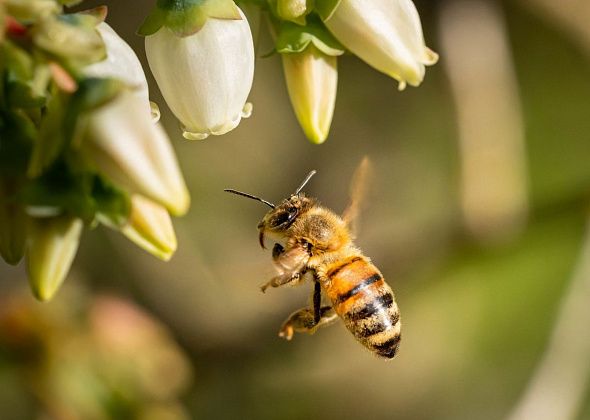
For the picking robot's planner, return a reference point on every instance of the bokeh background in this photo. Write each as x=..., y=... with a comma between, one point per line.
x=477, y=216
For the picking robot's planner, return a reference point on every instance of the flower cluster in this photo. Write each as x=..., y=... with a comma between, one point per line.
x=78, y=143
x=210, y=44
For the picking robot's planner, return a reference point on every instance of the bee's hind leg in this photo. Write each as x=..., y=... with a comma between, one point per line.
x=303, y=321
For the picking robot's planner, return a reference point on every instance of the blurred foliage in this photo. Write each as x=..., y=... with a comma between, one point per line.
x=476, y=317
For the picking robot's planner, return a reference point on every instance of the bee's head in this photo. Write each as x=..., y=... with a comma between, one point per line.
x=280, y=218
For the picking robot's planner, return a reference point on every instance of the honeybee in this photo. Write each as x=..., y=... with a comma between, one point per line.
x=319, y=244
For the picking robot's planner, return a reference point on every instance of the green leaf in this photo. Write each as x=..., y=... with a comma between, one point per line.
x=186, y=17
x=293, y=38
x=325, y=8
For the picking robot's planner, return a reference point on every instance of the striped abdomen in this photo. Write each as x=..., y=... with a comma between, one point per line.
x=362, y=298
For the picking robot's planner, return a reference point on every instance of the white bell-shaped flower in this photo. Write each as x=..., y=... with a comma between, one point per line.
x=124, y=144
x=386, y=34
x=205, y=77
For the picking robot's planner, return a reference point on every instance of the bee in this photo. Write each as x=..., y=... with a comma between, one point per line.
x=318, y=243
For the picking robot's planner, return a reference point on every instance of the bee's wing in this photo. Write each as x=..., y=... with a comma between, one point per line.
x=358, y=191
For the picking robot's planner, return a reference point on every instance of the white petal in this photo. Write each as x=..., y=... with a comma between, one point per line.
x=206, y=77
x=121, y=63
x=132, y=151
x=386, y=34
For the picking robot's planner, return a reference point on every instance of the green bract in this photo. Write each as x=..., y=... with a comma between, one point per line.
x=185, y=17
x=293, y=38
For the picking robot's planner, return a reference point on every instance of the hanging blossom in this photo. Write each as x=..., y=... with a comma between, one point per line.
x=202, y=57
x=309, y=36
x=309, y=55
x=80, y=144
x=386, y=34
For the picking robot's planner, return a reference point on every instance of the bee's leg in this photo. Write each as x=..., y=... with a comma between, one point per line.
x=277, y=250
x=283, y=279
x=317, y=301
x=290, y=263
x=303, y=321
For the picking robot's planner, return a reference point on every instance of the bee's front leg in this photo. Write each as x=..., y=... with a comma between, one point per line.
x=303, y=321
x=290, y=262
x=282, y=279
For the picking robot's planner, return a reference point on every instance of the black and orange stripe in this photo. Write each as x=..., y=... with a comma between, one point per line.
x=366, y=303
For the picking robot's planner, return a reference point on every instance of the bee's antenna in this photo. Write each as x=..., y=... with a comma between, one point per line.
x=253, y=197
x=305, y=181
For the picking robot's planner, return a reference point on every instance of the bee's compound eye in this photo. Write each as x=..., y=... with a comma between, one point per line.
x=280, y=219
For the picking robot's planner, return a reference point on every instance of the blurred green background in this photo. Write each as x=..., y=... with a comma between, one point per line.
x=478, y=298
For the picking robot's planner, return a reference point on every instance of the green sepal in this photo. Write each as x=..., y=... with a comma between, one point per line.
x=186, y=17
x=293, y=38
x=325, y=8
x=64, y=119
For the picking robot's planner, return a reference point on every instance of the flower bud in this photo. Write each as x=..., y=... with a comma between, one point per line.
x=51, y=248
x=127, y=147
x=386, y=34
x=149, y=227
x=205, y=77
x=120, y=63
x=312, y=79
